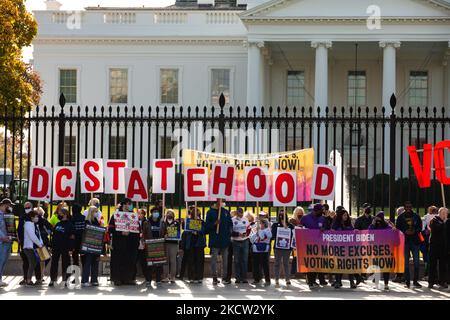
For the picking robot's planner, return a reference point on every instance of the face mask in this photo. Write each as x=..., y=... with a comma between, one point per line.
x=169, y=220
x=28, y=210
x=155, y=215
x=35, y=219
x=97, y=205
x=9, y=209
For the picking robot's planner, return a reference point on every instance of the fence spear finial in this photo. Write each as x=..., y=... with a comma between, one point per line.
x=62, y=100
x=393, y=101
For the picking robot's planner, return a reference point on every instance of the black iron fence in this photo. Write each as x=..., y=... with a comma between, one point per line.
x=367, y=144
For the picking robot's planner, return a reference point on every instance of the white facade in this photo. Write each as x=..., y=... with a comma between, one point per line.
x=259, y=46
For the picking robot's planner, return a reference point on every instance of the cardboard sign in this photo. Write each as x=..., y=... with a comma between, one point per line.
x=126, y=222
x=240, y=226
x=40, y=183
x=324, y=182
x=284, y=186
x=155, y=252
x=64, y=183
x=257, y=181
x=114, y=176
x=222, y=181
x=163, y=176
x=91, y=175
x=136, y=184
x=173, y=233
x=193, y=225
x=92, y=240
x=283, y=238
x=196, y=184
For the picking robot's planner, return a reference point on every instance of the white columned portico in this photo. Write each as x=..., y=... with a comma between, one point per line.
x=254, y=73
x=389, y=72
x=321, y=95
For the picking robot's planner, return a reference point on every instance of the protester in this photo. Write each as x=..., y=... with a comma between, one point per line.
x=432, y=212
x=152, y=230
x=343, y=222
x=171, y=244
x=379, y=223
x=282, y=254
x=315, y=220
x=193, y=245
x=365, y=220
x=56, y=217
x=31, y=241
x=252, y=225
x=438, y=249
x=260, y=240
x=62, y=244
x=328, y=214
x=399, y=278
x=447, y=232
x=295, y=219
x=90, y=260
x=219, y=230
x=142, y=255
x=99, y=216
x=239, y=238
x=124, y=250
x=411, y=225
x=5, y=240
x=78, y=225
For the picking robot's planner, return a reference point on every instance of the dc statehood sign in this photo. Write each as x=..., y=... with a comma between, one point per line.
x=350, y=251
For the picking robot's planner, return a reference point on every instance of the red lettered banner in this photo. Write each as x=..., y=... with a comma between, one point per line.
x=350, y=251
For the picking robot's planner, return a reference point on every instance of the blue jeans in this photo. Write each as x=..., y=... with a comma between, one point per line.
x=5, y=252
x=414, y=249
x=240, y=257
x=90, y=268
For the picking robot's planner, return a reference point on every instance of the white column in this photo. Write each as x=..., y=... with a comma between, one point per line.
x=254, y=73
x=321, y=74
x=389, y=72
x=321, y=95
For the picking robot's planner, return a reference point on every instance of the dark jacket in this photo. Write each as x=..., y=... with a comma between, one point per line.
x=63, y=236
x=151, y=229
x=191, y=239
x=363, y=222
x=20, y=227
x=78, y=224
x=447, y=231
x=274, y=231
x=411, y=225
x=164, y=226
x=223, y=239
x=438, y=236
x=45, y=228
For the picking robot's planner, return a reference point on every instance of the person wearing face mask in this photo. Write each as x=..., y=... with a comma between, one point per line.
x=62, y=244
x=23, y=218
x=90, y=261
x=124, y=250
x=315, y=220
x=438, y=249
x=282, y=255
x=32, y=240
x=141, y=257
x=432, y=212
x=78, y=222
x=260, y=239
x=152, y=230
x=172, y=245
x=411, y=225
x=5, y=240
x=364, y=221
x=56, y=217
x=379, y=223
x=99, y=216
x=239, y=239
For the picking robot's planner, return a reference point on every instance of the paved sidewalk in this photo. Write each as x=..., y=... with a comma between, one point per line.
x=185, y=291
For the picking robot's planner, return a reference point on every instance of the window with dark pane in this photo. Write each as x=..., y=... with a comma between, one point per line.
x=356, y=88
x=169, y=85
x=70, y=147
x=68, y=84
x=295, y=88
x=418, y=88
x=220, y=83
x=118, y=148
x=118, y=85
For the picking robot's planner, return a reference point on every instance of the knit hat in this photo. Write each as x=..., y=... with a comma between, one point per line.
x=380, y=215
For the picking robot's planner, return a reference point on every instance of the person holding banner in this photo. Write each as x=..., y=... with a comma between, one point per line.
x=411, y=225
x=78, y=222
x=62, y=244
x=315, y=220
x=31, y=241
x=438, y=249
x=151, y=229
x=239, y=239
x=343, y=222
x=379, y=223
x=219, y=230
x=193, y=243
x=124, y=249
x=90, y=260
x=5, y=240
x=141, y=257
x=171, y=231
x=282, y=234
x=260, y=240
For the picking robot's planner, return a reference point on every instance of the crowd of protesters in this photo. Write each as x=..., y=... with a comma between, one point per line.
x=239, y=242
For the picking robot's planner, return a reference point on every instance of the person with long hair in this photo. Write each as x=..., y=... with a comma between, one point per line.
x=260, y=240
x=171, y=244
x=57, y=214
x=32, y=240
x=78, y=225
x=90, y=260
x=282, y=254
x=239, y=239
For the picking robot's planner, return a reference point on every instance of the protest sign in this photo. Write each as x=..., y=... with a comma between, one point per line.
x=350, y=252
x=324, y=181
x=173, y=233
x=283, y=238
x=10, y=222
x=195, y=184
x=301, y=162
x=155, y=252
x=136, y=184
x=256, y=182
x=163, y=176
x=64, y=183
x=114, y=176
x=222, y=182
x=91, y=175
x=240, y=226
x=40, y=184
x=284, y=187
x=193, y=224
x=92, y=240
x=126, y=222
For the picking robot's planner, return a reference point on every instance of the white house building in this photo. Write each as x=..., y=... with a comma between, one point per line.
x=258, y=52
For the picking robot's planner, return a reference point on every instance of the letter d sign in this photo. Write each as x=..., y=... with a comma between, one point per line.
x=324, y=181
